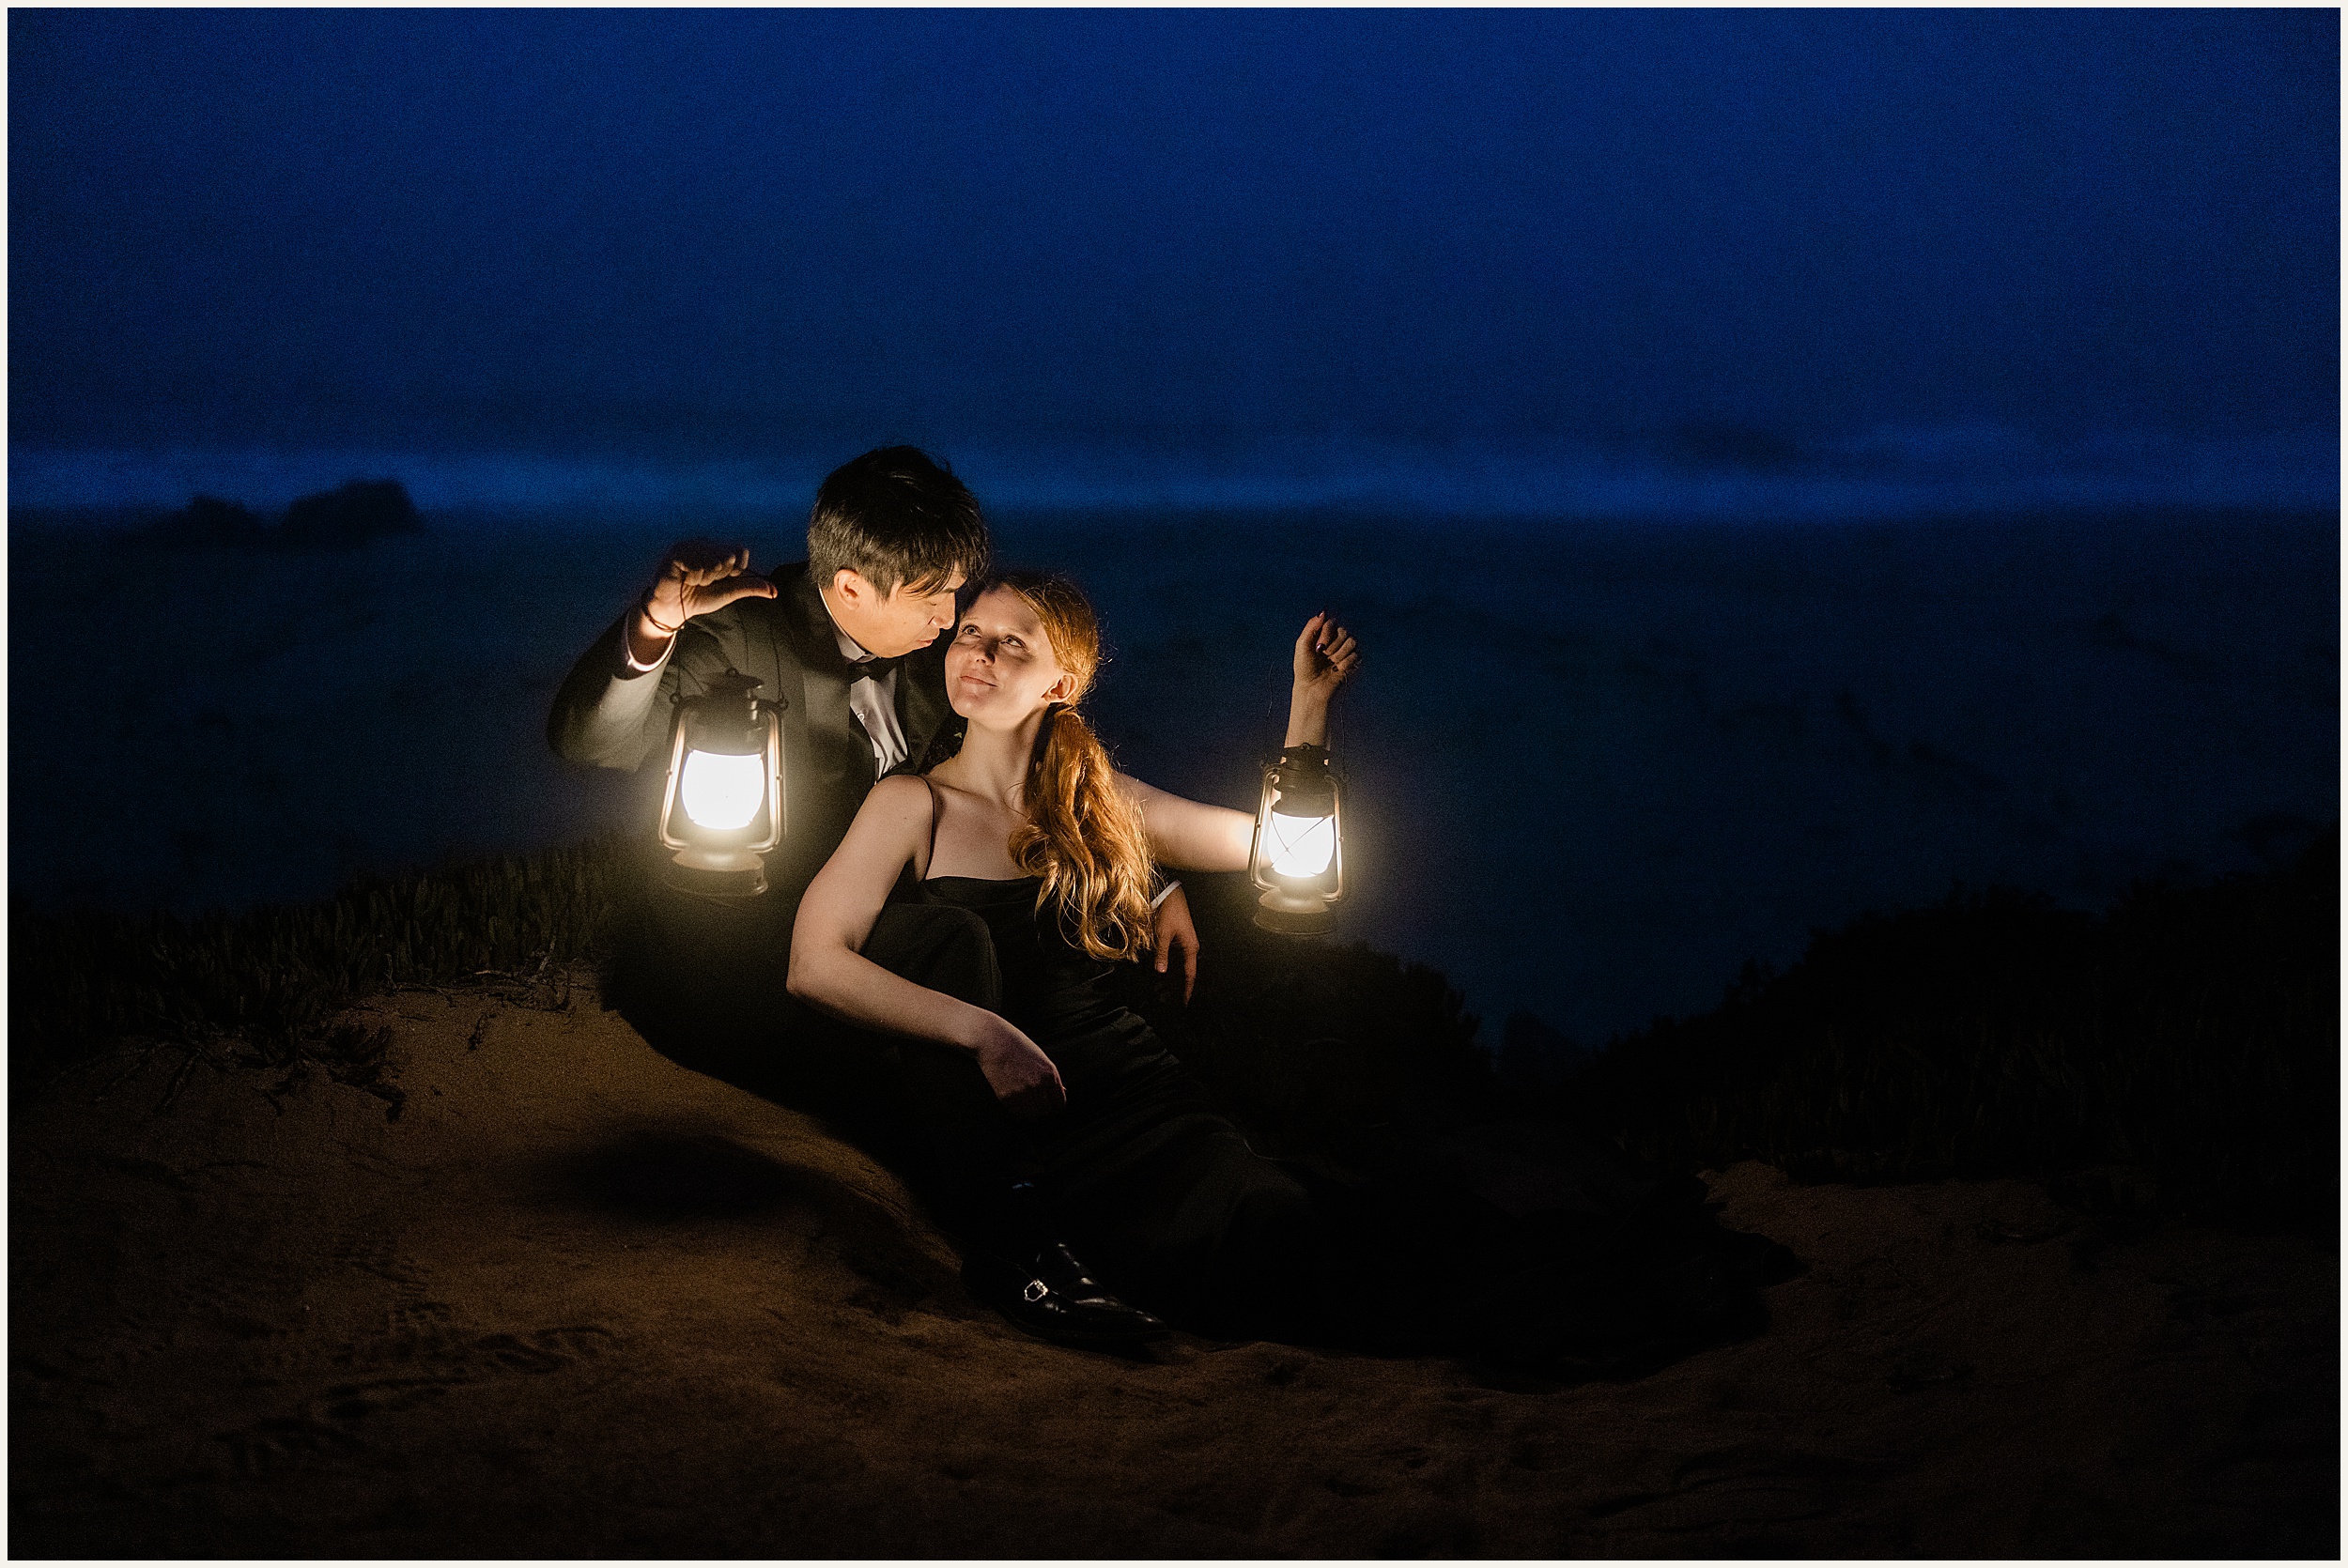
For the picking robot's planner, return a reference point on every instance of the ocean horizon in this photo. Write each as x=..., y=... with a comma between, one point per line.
x=1700, y=474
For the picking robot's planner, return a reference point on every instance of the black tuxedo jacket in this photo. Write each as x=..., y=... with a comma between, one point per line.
x=609, y=715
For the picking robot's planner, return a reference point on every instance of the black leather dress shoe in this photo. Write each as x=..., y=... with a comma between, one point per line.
x=1050, y=1296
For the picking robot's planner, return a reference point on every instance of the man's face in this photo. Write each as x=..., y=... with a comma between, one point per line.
x=902, y=622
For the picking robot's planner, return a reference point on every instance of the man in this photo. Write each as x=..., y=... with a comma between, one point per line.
x=848, y=645
x=842, y=644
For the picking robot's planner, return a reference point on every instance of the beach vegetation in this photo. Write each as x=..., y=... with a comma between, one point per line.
x=2178, y=1054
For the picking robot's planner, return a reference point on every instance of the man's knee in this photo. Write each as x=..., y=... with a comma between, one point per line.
x=940, y=946
x=728, y=953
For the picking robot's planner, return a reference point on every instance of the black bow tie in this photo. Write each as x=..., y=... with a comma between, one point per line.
x=869, y=669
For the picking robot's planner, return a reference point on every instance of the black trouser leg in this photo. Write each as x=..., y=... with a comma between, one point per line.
x=972, y=1152
x=706, y=986
x=704, y=981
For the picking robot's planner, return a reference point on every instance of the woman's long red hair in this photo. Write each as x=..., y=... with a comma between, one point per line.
x=1083, y=835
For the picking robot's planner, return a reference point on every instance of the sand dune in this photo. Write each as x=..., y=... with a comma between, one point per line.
x=574, y=1300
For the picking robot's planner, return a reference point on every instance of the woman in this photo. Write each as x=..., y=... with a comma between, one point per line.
x=1030, y=828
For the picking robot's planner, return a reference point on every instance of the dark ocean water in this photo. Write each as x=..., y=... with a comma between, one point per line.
x=1593, y=768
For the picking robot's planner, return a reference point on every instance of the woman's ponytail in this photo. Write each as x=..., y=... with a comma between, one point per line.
x=1086, y=840
x=1083, y=835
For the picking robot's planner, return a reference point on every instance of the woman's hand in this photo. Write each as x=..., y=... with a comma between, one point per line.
x=1172, y=931
x=1326, y=655
x=1022, y=1077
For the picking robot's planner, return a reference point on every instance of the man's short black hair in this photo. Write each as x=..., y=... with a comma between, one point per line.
x=896, y=515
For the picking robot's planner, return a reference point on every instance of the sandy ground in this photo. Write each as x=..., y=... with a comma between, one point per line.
x=577, y=1301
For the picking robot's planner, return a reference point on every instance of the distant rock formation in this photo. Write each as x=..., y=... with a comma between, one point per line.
x=343, y=518
x=207, y=521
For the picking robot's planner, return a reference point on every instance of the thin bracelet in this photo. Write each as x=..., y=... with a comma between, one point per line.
x=1163, y=892
x=643, y=608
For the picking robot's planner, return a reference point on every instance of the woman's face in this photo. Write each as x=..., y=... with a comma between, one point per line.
x=1000, y=667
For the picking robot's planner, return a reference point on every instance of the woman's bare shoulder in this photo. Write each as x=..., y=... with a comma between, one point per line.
x=899, y=801
x=889, y=831
x=900, y=790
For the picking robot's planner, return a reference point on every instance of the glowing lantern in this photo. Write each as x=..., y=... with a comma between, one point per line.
x=723, y=809
x=1299, y=854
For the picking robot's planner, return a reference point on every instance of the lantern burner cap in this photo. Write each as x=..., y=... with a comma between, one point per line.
x=726, y=713
x=1306, y=779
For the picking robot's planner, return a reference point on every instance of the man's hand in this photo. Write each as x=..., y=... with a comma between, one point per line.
x=700, y=576
x=1016, y=1069
x=1172, y=928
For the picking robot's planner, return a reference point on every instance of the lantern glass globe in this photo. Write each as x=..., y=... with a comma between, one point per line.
x=721, y=792
x=1302, y=847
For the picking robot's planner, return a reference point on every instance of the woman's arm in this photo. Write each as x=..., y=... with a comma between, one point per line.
x=1192, y=836
x=828, y=968
x=1325, y=654
x=830, y=972
x=1189, y=835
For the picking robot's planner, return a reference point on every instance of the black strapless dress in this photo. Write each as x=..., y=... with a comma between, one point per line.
x=1155, y=1189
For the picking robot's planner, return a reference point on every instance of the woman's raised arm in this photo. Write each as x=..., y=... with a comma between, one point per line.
x=1324, y=656
x=829, y=972
x=1192, y=836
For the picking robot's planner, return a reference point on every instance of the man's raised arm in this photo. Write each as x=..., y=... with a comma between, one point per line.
x=607, y=711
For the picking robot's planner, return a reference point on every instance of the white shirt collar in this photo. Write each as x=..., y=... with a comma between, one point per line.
x=850, y=649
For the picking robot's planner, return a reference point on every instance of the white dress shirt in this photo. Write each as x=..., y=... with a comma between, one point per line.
x=875, y=704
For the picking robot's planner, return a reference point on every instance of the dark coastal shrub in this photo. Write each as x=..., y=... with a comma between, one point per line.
x=2190, y=1036
x=1316, y=1048
x=268, y=983
x=2182, y=1050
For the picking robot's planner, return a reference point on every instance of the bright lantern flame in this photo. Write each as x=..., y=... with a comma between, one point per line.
x=722, y=793
x=1302, y=847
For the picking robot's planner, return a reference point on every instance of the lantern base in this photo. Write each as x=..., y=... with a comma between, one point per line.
x=1290, y=915
x=718, y=874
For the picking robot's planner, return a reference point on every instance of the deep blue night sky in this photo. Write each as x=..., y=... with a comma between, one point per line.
x=1728, y=235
